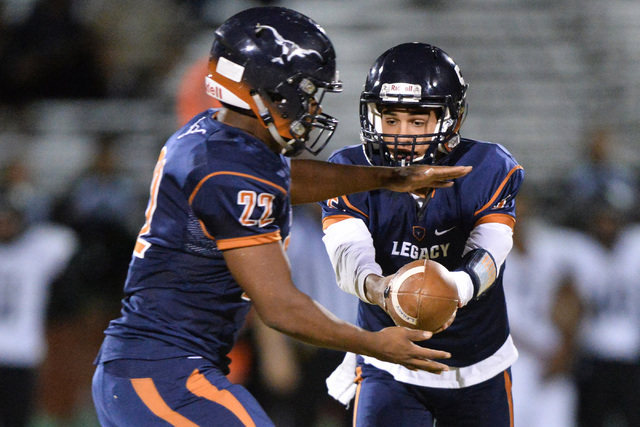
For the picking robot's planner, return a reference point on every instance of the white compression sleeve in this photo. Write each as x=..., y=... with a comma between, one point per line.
x=495, y=238
x=350, y=248
x=464, y=285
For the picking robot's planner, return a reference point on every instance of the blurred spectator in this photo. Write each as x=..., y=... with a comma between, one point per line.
x=50, y=55
x=544, y=315
x=140, y=41
x=15, y=178
x=603, y=199
x=98, y=205
x=599, y=179
x=31, y=256
x=4, y=33
x=102, y=194
x=608, y=369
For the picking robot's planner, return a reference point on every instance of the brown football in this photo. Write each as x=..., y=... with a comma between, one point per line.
x=422, y=296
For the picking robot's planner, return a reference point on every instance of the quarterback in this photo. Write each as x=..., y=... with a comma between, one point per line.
x=411, y=111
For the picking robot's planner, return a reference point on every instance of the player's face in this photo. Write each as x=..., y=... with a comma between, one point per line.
x=409, y=122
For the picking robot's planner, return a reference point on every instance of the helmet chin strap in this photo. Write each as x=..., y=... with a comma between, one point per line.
x=267, y=119
x=279, y=139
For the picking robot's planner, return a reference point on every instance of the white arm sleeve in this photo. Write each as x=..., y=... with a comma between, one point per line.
x=350, y=248
x=495, y=238
x=352, y=254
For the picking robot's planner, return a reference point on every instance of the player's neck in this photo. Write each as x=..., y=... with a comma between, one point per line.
x=251, y=125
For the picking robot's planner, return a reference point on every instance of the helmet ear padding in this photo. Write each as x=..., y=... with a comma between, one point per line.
x=244, y=97
x=274, y=61
x=218, y=90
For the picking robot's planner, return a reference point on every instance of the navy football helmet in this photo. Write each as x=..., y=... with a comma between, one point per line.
x=412, y=76
x=276, y=64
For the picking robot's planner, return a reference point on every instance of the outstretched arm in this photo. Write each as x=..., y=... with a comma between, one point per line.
x=314, y=181
x=263, y=272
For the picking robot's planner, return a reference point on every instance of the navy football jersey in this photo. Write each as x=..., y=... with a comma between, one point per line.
x=402, y=233
x=214, y=188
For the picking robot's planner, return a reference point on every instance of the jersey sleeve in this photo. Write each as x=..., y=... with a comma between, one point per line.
x=344, y=207
x=495, y=187
x=238, y=209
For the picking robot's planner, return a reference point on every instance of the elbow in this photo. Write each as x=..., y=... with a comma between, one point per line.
x=273, y=318
x=283, y=314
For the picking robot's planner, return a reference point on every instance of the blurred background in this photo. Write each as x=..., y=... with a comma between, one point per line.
x=91, y=89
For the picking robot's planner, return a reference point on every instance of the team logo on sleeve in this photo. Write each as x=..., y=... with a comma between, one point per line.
x=502, y=203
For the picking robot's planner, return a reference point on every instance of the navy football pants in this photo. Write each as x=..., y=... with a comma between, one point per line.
x=179, y=392
x=382, y=401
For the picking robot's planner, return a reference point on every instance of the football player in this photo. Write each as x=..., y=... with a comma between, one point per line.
x=216, y=226
x=411, y=111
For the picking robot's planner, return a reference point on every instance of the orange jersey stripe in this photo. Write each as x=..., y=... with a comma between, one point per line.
x=241, y=242
x=148, y=393
x=204, y=230
x=201, y=387
x=499, y=190
x=155, y=184
x=330, y=220
x=499, y=218
x=348, y=203
x=141, y=246
x=358, y=381
x=203, y=180
x=507, y=385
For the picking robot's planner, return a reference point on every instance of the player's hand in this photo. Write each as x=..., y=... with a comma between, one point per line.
x=398, y=347
x=447, y=323
x=422, y=177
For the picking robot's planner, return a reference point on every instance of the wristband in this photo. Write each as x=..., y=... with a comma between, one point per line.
x=481, y=267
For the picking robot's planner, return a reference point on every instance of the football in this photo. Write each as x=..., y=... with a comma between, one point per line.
x=421, y=296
